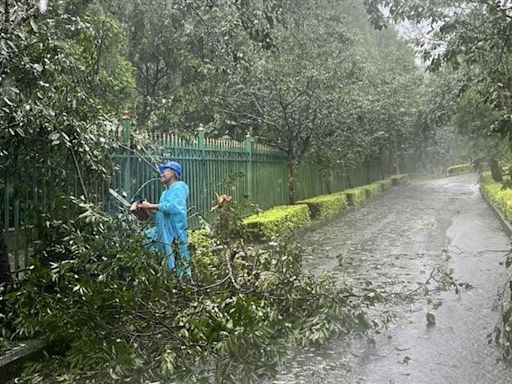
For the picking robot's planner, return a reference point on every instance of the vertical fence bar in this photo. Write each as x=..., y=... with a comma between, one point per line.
x=7, y=187
x=26, y=227
x=202, y=174
x=125, y=123
x=16, y=233
x=248, y=147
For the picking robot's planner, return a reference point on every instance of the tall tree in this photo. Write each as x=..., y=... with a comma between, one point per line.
x=472, y=36
x=62, y=76
x=319, y=93
x=184, y=50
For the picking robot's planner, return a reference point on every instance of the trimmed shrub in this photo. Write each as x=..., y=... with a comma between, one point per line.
x=277, y=221
x=486, y=178
x=371, y=190
x=355, y=196
x=384, y=184
x=499, y=197
x=399, y=179
x=199, y=239
x=459, y=168
x=325, y=206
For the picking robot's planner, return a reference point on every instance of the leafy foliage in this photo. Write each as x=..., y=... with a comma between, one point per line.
x=499, y=196
x=470, y=36
x=325, y=206
x=183, y=51
x=459, y=168
x=115, y=314
x=276, y=222
x=399, y=179
x=62, y=75
x=334, y=93
x=355, y=196
x=372, y=190
x=384, y=185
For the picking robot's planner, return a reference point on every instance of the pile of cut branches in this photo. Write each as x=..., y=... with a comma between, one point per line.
x=115, y=314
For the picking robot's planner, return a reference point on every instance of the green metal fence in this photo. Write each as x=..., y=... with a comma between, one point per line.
x=207, y=164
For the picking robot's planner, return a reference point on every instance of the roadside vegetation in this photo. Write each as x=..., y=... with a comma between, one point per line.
x=110, y=312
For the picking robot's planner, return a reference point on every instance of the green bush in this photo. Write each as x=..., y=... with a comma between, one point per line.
x=120, y=316
x=399, y=179
x=371, y=190
x=325, y=206
x=486, y=178
x=199, y=239
x=277, y=221
x=499, y=197
x=459, y=168
x=384, y=184
x=355, y=196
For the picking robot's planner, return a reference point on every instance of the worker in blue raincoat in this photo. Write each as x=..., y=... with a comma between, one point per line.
x=169, y=236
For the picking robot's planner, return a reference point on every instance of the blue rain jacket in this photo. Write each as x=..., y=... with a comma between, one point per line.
x=171, y=225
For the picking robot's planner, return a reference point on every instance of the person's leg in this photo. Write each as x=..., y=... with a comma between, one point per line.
x=184, y=269
x=171, y=262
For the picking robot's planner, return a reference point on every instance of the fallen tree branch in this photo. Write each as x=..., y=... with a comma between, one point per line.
x=230, y=269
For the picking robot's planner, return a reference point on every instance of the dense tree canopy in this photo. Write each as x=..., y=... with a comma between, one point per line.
x=312, y=79
x=473, y=37
x=62, y=75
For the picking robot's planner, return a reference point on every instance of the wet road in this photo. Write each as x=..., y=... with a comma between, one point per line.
x=441, y=228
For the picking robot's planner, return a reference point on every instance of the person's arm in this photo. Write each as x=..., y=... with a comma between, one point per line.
x=175, y=202
x=148, y=205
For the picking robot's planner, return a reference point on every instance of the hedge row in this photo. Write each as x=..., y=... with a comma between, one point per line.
x=399, y=179
x=499, y=197
x=277, y=221
x=459, y=168
x=384, y=184
x=372, y=190
x=325, y=206
x=281, y=220
x=354, y=196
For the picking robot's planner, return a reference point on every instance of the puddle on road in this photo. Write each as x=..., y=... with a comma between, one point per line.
x=397, y=242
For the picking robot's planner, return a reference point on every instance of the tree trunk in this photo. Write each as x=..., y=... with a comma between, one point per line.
x=348, y=182
x=367, y=169
x=381, y=165
x=5, y=266
x=329, y=182
x=397, y=158
x=292, y=182
x=495, y=170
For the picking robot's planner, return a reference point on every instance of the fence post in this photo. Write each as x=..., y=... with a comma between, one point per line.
x=248, y=147
x=7, y=224
x=202, y=166
x=126, y=126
